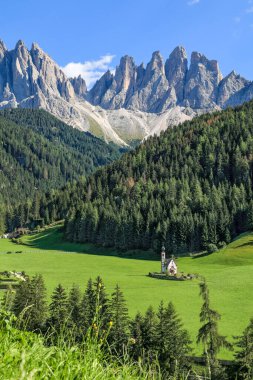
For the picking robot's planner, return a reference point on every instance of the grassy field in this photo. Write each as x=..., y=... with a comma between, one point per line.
x=229, y=274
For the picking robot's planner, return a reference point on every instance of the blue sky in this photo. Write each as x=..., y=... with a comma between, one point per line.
x=79, y=31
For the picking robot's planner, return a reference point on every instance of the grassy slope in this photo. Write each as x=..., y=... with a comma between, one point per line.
x=229, y=274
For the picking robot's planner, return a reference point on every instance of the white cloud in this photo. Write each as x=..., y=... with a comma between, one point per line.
x=237, y=20
x=193, y=2
x=91, y=71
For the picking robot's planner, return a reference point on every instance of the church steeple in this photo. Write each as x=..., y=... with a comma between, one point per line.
x=163, y=259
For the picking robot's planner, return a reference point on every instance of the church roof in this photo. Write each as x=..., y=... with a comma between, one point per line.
x=170, y=261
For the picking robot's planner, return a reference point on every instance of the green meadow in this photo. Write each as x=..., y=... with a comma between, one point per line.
x=229, y=275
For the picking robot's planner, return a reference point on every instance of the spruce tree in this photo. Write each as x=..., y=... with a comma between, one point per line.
x=38, y=312
x=173, y=342
x=244, y=357
x=119, y=321
x=136, y=337
x=88, y=306
x=58, y=308
x=22, y=298
x=74, y=306
x=209, y=335
x=149, y=333
x=102, y=310
x=30, y=303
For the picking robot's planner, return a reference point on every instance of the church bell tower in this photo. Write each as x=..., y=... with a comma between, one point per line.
x=163, y=258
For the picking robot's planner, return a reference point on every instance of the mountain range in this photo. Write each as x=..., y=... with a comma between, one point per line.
x=133, y=103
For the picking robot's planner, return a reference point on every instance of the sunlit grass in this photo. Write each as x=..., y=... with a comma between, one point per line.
x=229, y=275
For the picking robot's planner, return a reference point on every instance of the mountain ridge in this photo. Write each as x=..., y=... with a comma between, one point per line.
x=132, y=104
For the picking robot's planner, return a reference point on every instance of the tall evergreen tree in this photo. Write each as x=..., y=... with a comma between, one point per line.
x=136, y=337
x=245, y=355
x=119, y=320
x=209, y=335
x=30, y=303
x=74, y=306
x=88, y=306
x=58, y=308
x=173, y=342
x=102, y=306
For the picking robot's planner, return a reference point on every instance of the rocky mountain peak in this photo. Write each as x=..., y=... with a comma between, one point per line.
x=125, y=74
x=202, y=80
x=176, y=68
x=3, y=49
x=79, y=86
x=229, y=88
x=19, y=44
x=156, y=62
x=95, y=95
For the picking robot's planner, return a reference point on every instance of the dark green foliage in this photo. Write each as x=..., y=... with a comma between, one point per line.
x=88, y=306
x=30, y=303
x=189, y=188
x=245, y=355
x=173, y=342
x=136, y=337
x=119, y=321
x=209, y=335
x=39, y=153
x=74, y=306
x=212, y=248
x=101, y=316
x=59, y=309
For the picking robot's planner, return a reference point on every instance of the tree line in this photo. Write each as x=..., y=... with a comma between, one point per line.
x=190, y=187
x=39, y=153
x=156, y=338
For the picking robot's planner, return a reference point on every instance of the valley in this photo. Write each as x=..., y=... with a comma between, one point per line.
x=228, y=272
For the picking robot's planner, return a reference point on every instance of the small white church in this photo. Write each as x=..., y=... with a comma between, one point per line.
x=168, y=265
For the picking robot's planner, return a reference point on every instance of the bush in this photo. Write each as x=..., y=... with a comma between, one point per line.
x=211, y=248
x=222, y=244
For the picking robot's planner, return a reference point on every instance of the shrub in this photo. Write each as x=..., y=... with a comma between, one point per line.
x=222, y=244
x=211, y=248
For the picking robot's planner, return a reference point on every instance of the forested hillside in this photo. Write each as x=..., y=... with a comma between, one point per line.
x=189, y=188
x=39, y=152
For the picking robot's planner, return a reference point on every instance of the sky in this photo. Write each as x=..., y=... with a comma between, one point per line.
x=89, y=37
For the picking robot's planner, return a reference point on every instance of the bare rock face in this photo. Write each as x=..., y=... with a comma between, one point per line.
x=176, y=68
x=122, y=86
x=228, y=89
x=79, y=86
x=96, y=94
x=202, y=81
x=153, y=89
x=158, y=87
x=133, y=103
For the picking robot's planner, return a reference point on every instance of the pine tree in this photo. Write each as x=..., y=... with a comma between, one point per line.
x=38, y=312
x=102, y=310
x=30, y=303
x=136, y=337
x=74, y=305
x=149, y=333
x=119, y=320
x=245, y=355
x=88, y=306
x=173, y=341
x=209, y=335
x=58, y=308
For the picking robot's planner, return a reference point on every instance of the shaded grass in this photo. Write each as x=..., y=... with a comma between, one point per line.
x=229, y=275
